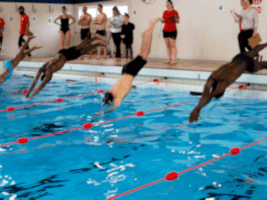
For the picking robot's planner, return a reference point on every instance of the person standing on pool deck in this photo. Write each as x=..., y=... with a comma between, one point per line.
x=85, y=21
x=10, y=65
x=116, y=29
x=59, y=61
x=64, y=32
x=127, y=36
x=122, y=88
x=101, y=21
x=170, y=18
x=249, y=20
x=223, y=77
x=2, y=28
x=24, y=28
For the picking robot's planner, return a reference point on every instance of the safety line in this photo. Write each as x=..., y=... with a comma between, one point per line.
x=174, y=175
x=59, y=100
x=90, y=125
x=25, y=91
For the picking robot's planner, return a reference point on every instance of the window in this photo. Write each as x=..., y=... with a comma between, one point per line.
x=109, y=12
x=91, y=11
x=106, y=9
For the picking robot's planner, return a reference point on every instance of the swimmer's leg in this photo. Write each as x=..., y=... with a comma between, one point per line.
x=254, y=52
x=40, y=71
x=259, y=65
x=206, y=97
x=30, y=50
x=20, y=55
x=91, y=47
x=86, y=42
x=147, y=39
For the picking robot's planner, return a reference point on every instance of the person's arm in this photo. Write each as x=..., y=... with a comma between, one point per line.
x=256, y=21
x=40, y=71
x=55, y=20
x=121, y=23
x=95, y=21
x=3, y=28
x=90, y=19
x=73, y=20
x=81, y=20
x=123, y=32
x=177, y=18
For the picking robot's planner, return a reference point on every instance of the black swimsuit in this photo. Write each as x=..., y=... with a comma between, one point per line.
x=64, y=25
x=70, y=54
x=249, y=61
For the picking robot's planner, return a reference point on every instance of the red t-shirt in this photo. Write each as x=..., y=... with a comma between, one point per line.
x=24, y=20
x=170, y=24
x=2, y=23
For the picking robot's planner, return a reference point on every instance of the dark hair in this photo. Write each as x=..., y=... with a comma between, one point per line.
x=115, y=8
x=173, y=6
x=21, y=7
x=64, y=7
x=100, y=5
x=108, y=98
x=251, y=1
x=127, y=15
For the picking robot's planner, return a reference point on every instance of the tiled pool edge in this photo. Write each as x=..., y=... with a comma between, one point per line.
x=170, y=73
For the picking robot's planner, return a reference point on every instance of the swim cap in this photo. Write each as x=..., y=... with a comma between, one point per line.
x=108, y=98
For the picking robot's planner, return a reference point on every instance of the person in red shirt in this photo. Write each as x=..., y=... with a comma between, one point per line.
x=170, y=18
x=24, y=27
x=2, y=28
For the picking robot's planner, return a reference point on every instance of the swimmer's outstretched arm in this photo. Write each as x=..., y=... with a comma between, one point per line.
x=206, y=98
x=48, y=77
x=40, y=71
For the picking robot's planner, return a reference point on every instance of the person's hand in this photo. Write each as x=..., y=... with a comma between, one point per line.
x=194, y=117
x=254, y=35
x=122, y=36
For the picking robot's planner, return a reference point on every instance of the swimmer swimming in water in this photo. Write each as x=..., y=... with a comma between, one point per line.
x=58, y=62
x=10, y=65
x=122, y=88
x=226, y=75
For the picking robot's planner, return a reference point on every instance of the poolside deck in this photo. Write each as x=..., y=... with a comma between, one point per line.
x=190, y=65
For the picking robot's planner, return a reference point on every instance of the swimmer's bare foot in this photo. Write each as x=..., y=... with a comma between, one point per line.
x=29, y=58
x=105, y=58
x=173, y=62
x=153, y=22
x=97, y=58
x=167, y=62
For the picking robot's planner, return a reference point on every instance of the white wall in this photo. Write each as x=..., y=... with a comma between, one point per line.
x=204, y=33
x=46, y=34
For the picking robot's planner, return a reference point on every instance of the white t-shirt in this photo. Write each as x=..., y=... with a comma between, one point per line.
x=117, y=21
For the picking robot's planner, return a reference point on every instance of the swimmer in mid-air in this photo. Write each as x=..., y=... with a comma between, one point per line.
x=58, y=62
x=122, y=88
x=10, y=65
x=226, y=75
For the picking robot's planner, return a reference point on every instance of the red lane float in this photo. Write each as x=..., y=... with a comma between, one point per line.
x=87, y=126
x=174, y=175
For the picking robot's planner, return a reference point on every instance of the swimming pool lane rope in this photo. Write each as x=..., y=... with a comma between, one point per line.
x=89, y=77
x=170, y=176
x=59, y=100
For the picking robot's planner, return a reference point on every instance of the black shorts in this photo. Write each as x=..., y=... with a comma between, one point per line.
x=103, y=33
x=85, y=34
x=1, y=41
x=134, y=66
x=249, y=61
x=172, y=34
x=71, y=53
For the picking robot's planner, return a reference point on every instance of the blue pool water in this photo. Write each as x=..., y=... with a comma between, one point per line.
x=113, y=158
